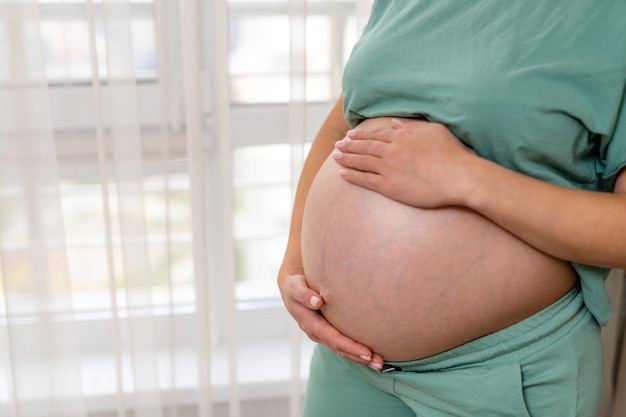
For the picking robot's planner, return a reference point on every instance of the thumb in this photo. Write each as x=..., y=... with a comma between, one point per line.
x=316, y=302
x=307, y=296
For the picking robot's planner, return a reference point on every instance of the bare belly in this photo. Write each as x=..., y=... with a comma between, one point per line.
x=410, y=283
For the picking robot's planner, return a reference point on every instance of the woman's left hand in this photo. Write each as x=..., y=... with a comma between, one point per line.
x=422, y=164
x=418, y=163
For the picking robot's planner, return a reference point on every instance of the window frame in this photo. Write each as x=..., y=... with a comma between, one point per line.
x=71, y=100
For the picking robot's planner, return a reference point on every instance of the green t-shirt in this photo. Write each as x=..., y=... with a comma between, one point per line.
x=536, y=86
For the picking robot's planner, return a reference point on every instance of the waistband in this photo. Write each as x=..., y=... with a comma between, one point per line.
x=518, y=340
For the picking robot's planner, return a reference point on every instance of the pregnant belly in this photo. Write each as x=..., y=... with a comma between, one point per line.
x=410, y=283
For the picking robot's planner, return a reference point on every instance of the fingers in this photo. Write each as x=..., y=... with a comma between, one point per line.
x=304, y=295
x=397, y=124
x=318, y=329
x=420, y=122
x=364, y=155
x=373, y=133
x=377, y=361
x=366, y=180
x=303, y=304
x=381, y=133
x=361, y=144
x=359, y=161
x=321, y=331
x=361, y=165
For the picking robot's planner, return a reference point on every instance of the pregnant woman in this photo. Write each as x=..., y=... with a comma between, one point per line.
x=459, y=210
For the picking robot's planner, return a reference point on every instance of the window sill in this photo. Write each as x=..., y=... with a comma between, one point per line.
x=263, y=369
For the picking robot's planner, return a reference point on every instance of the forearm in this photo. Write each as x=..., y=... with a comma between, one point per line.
x=424, y=165
x=579, y=226
x=333, y=129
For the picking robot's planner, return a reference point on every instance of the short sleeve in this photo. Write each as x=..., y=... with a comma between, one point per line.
x=614, y=147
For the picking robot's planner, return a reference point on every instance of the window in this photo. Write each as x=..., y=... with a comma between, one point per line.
x=89, y=259
x=260, y=75
x=259, y=59
x=64, y=31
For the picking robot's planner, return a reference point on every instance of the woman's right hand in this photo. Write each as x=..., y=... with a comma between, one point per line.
x=304, y=304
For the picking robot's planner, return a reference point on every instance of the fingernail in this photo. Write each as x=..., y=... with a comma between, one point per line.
x=315, y=300
x=376, y=366
x=365, y=358
x=350, y=133
x=340, y=144
x=337, y=155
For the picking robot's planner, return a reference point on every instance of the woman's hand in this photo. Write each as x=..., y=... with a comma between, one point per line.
x=422, y=164
x=304, y=304
x=417, y=162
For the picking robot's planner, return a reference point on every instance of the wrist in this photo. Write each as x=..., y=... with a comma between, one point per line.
x=469, y=183
x=485, y=186
x=291, y=264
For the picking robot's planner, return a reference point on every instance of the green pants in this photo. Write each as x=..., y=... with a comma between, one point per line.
x=548, y=365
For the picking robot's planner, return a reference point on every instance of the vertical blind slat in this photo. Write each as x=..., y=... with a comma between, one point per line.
x=297, y=138
x=221, y=102
x=104, y=189
x=190, y=46
x=41, y=355
x=164, y=92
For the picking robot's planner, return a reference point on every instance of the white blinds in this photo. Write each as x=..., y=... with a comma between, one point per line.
x=41, y=363
x=92, y=307
x=117, y=263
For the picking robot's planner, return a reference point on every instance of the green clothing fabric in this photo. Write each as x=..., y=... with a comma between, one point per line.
x=538, y=87
x=548, y=365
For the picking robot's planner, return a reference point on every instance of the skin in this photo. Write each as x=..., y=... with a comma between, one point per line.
x=457, y=275
x=301, y=301
x=423, y=165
